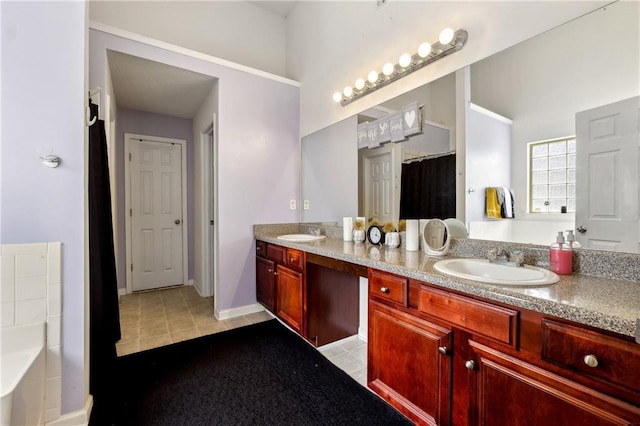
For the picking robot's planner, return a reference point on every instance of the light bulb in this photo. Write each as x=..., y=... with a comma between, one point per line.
x=405, y=60
x=347, y=92
x=373, y=76
x=424, y=49
x=387, y=69
x=359, y=84
x=337, y=97
x=446, y=36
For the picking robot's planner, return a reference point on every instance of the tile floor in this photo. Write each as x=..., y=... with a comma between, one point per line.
x=157, y=318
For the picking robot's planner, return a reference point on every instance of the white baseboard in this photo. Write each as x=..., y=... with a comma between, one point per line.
x=362, y=333
x=75, y=418
x=239, y=311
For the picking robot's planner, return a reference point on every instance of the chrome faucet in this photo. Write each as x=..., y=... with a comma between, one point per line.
x=516, y=257
x=314, y=231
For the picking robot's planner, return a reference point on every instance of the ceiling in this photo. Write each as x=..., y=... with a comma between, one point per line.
x=143, y=85
x=280, y=8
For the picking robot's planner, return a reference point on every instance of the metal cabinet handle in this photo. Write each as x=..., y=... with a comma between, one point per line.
x=470, y=364
x=385, y=290
x=591, y=360
x=292, y=260
x=258, y=248
x=270, y=270
x=443, y=350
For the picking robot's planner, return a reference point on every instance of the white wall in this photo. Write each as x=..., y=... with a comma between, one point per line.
x=258, y=156
x=330, y=181
x=236, y=31
x=576, y=61
x=488, y=160
x=330, y=44
x=43, y=98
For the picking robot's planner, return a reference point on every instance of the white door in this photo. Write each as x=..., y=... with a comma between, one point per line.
x=381, y=175
x=156, y=213
x=607, y=144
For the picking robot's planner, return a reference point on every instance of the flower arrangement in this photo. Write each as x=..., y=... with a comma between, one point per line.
x=402, y=226
x=359, y=225
x=389, y=227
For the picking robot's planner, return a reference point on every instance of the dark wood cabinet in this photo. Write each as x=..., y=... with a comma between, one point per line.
x=289, y=297
x=502, y=365
x=280, y=282
x=409, y=364
x=266, y=283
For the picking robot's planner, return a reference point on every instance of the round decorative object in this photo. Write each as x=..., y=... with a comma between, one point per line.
x=375, y=235
x=358, y=236
x=392, y=239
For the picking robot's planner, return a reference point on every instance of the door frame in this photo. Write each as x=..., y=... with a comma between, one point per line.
x=207, y=175
x=129, y=140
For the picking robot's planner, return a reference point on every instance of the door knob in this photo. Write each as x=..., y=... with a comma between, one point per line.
x=581, y=229
x=177, y=222
x=443, y=350
x=470, y=364
x=591, y=360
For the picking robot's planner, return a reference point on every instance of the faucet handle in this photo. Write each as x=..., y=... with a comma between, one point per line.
x=517, y=257
x=492, y=254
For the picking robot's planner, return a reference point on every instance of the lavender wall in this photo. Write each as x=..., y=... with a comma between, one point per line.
x=150, y=124
x=43, y=97
x=258, y=156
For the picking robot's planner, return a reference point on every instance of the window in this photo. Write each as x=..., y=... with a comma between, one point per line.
x=552, y=176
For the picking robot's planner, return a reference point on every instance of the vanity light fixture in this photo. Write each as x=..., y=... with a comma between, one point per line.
x=448, y=43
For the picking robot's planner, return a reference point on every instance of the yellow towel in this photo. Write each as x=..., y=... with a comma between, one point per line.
x=493, y=207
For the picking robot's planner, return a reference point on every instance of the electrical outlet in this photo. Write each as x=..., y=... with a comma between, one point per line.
x=292, y=204
x=305, y=204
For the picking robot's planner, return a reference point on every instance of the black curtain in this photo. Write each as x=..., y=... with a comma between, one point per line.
x=428, y=189
x=103, y=287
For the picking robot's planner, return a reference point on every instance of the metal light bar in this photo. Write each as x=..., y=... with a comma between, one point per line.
x=438, y=51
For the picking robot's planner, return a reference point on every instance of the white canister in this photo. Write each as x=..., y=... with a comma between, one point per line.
x=412, y=243
x=347, y=229
x=392, y=239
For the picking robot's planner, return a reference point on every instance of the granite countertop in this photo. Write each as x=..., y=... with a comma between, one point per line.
x=609, y=304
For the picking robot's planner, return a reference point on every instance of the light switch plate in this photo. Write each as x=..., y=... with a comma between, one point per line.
x=292, y=204
x=305, y=204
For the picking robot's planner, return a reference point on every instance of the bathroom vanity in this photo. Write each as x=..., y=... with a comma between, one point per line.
x=453, y=351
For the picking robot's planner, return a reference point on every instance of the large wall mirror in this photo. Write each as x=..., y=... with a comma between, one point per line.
x=528, y=93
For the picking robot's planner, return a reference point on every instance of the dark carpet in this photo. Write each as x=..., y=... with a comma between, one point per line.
x=261, y=374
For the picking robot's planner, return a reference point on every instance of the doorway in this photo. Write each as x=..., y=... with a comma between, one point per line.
x=380, y=183
x=156, y=207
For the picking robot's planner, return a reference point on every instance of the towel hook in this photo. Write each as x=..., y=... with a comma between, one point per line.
x=48, y=159
x=90, y=121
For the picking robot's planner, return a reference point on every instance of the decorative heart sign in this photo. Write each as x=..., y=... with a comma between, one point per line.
x=410, y=118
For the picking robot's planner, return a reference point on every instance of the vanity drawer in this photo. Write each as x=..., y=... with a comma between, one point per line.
x=277, y=253
x=387, y=287
x=295, y=259
x=481, y=318
x=596, y=354
x=261, y=248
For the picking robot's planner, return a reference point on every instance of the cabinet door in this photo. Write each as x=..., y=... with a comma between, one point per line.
x=409, y=364
x=289, y=299
x=265, y=283
x=512, y=392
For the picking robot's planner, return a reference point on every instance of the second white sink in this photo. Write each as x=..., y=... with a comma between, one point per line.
x=301, y=238
x=496, y=273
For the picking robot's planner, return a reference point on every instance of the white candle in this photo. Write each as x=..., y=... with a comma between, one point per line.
x=412, y=235
x=347, y=229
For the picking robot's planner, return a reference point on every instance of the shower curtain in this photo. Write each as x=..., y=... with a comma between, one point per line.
x=103, y=286
x=428, y=189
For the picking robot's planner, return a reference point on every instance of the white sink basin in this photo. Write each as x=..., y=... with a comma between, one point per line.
x=301, y=238
x=495, y=273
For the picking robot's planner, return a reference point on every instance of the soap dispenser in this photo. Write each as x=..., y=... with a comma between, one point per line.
x=561, y=256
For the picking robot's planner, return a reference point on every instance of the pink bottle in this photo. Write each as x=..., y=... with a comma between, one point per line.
x=561, y=256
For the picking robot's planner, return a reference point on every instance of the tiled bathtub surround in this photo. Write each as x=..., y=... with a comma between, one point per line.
x=607, y=302
x=31, y=280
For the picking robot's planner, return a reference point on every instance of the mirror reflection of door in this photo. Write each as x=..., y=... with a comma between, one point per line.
x=607, y=145
x=156, y=212
x=380, y=174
